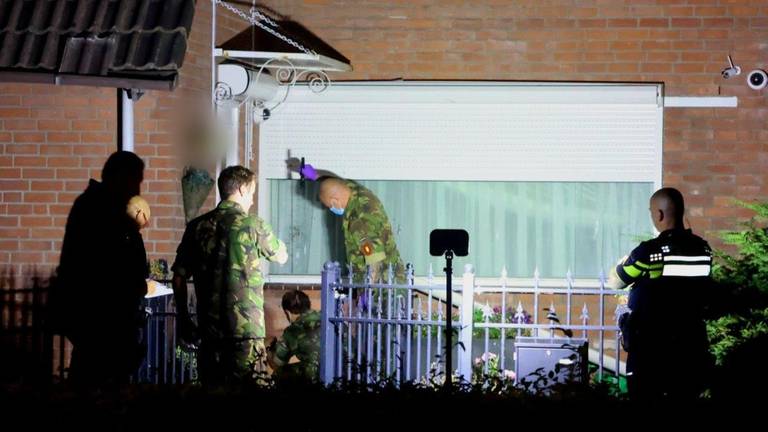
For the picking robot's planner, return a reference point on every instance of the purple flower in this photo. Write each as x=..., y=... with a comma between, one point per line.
x=362, y=302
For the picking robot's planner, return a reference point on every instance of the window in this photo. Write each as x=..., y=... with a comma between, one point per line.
x=520, y=226
x=554, y=176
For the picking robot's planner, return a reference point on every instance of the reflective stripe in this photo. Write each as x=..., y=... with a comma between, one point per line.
x=645, y=266
x=631, y=271
x=686, y=270
x=687, y=258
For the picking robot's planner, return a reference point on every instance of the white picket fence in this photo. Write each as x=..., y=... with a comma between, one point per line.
x=372, y=331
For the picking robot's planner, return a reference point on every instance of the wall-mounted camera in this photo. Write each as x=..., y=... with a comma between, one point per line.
x=732, y=70
x=261, y=114
x=757, y=79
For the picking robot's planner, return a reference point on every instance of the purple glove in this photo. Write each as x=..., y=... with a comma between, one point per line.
x=308, y=172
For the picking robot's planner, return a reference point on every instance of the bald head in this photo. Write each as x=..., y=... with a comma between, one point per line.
x=138, y=210
x=334, y=192
x=667, y=209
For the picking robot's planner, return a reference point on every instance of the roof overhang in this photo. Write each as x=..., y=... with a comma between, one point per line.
x=85, y=80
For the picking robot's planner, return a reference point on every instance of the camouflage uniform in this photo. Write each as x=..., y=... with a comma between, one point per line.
x=368, y=235
x=222, y=250
x=300, y=339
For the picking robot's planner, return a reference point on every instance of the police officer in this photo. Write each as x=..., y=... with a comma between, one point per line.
x=664, y=334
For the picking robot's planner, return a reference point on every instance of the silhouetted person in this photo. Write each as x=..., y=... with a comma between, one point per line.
x=665, y=335
x=102, y=276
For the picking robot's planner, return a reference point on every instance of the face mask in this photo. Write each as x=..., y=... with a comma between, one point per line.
x=337, y=211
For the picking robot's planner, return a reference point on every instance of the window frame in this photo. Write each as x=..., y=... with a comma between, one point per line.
x=460, y=92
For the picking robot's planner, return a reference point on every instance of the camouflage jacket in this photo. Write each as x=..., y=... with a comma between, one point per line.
x=368, y=236
x=222, y=250
x=300, y=339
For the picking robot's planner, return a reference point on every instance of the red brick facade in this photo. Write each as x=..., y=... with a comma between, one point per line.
x=52, y=139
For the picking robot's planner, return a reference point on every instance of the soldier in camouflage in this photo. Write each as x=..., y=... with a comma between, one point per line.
x=296, y=356
x=367, y=232
x=222, y=250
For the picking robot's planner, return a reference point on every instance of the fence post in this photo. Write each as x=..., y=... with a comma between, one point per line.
x=330, y=275
x=467, y=313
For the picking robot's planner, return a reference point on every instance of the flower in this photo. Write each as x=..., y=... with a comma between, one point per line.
x=509, y=374
x=484, y=366
x=488, y=356
x=487, y=311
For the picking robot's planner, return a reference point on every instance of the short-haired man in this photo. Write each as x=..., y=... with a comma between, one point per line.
x=664, y=334
x=222, y=250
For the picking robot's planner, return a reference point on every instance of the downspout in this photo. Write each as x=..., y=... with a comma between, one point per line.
x=125, y=119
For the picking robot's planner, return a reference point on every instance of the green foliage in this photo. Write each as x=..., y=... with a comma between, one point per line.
x=495, y=316
x=613, y=385
x=478, y=316
x=196, y=184
x=737, y=324
x=158, y=269
x=747, y=270
x=728, y=333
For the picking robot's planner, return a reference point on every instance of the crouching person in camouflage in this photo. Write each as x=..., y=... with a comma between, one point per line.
x=222, y=250
x=296, y=356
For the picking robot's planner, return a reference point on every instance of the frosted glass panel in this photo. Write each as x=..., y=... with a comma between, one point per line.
x=555, y=226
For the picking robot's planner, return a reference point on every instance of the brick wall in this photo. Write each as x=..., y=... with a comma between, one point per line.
x=712, y=155
x=54, y=138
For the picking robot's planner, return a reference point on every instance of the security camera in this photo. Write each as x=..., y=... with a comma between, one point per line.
x=757, y=79
x=731, y=71
x=261, y=114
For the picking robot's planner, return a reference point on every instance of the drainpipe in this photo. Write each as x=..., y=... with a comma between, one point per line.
x=125, y=123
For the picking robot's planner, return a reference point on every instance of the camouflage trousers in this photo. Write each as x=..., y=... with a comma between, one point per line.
x=232, y=361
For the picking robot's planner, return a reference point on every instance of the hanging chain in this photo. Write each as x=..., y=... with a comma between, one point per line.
x=256, y=14
x=258, y=22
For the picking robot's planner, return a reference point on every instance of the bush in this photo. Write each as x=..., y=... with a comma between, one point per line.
x=494, y=316
x=737, y=325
